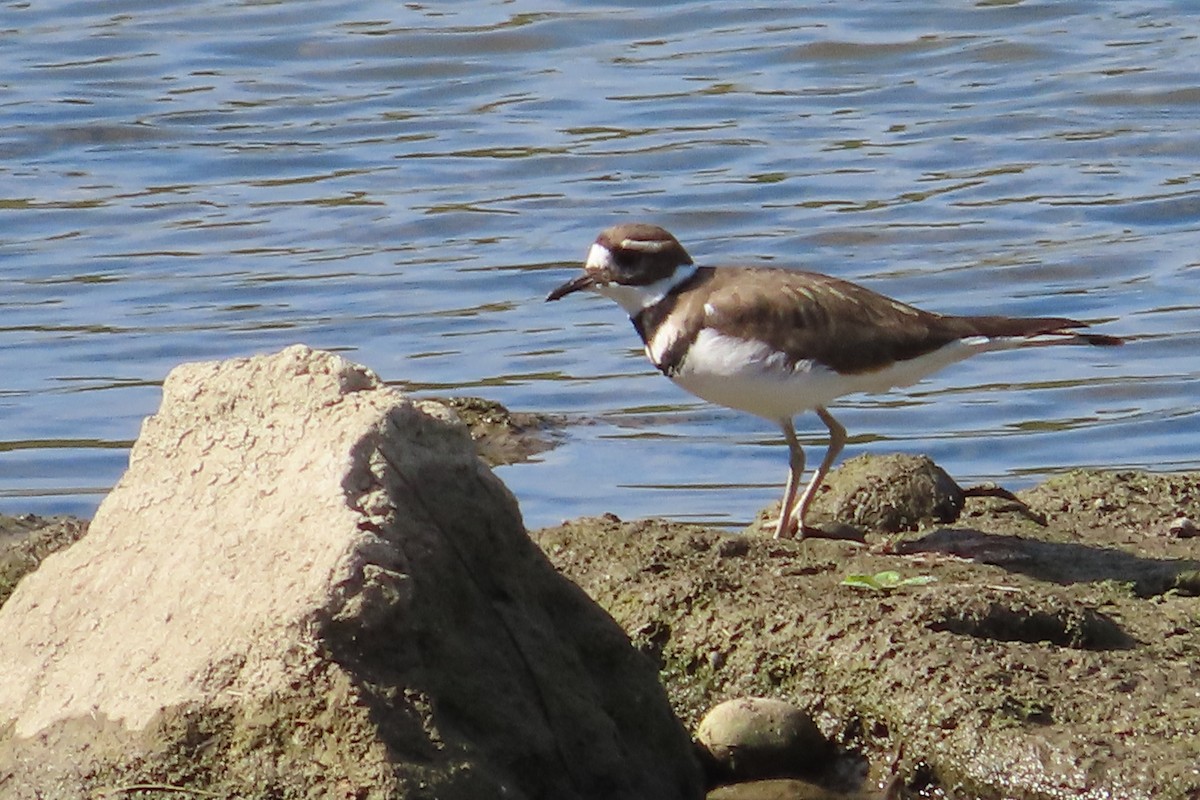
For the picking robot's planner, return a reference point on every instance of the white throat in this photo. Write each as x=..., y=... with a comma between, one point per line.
x=634, y=298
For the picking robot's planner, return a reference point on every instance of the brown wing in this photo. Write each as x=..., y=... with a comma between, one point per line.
x=846, y=326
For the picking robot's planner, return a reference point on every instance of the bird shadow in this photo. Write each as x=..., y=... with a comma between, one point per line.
x=1060, y=562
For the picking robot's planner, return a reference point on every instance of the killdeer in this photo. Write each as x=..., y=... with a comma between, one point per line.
x=777, y=342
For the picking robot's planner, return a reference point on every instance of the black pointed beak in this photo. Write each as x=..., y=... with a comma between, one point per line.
x=584, y=281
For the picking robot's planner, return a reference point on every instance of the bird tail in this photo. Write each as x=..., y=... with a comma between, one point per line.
x=1040, y=330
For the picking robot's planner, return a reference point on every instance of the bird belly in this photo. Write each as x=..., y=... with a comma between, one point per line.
x=750, y=376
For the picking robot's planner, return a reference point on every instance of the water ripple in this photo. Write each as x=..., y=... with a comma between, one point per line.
x=404, y=183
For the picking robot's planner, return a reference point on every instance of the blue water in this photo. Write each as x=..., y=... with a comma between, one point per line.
x=404, y=183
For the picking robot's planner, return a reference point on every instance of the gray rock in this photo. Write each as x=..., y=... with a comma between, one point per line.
x=880, y=494
x=751, y=738
x=890, y=493
x=308, y=585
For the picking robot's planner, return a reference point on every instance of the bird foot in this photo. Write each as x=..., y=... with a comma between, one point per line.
x=837, y=531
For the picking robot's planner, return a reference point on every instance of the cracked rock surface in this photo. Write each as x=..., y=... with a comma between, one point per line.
x=308, y=585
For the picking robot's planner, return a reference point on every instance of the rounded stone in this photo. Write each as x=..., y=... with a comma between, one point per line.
x=751, y=738
x=890, y=493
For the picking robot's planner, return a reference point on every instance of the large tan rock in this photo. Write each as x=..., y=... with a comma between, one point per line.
x=308, y=585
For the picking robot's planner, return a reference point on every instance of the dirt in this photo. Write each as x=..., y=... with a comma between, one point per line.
x=1043, y=645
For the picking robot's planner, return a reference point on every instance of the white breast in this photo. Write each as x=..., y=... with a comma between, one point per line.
x=665, y=335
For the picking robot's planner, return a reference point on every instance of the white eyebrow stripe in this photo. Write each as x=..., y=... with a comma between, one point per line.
x=644, y=245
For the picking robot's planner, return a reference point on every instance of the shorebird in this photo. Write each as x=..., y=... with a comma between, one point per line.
x=778, y=342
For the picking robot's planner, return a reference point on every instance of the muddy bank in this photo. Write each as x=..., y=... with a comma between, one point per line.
x=1043, y=645
x=1038, y=645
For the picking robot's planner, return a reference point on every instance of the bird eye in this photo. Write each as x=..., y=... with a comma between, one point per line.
x=624, y=258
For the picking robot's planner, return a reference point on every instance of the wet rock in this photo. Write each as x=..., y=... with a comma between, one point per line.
x=1182, y=528
x=308, y=585
x=891, y=493
x=792, y=789
x=751, y=738
x=885, y=494
x=503, y=436
x=26, y=540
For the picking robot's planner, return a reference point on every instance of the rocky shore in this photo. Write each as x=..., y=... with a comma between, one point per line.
x=309, y=585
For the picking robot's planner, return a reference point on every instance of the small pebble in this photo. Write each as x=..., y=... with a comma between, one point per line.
x=1182, y=528
x=752, y=738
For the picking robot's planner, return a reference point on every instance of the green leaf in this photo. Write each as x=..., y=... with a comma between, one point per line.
x=885, y=581
x=861, y=582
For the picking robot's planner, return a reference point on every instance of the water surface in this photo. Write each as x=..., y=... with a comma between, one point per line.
x=184, y=181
